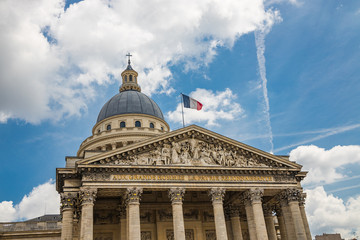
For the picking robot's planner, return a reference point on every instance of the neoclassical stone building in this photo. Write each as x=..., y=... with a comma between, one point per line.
x=134, y=179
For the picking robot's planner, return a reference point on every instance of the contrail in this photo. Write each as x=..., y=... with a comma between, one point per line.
x=260, y=49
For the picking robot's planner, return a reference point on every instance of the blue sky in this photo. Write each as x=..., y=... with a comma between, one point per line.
x=59, y=66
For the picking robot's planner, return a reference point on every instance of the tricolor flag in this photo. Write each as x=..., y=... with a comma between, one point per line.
x=191, y=103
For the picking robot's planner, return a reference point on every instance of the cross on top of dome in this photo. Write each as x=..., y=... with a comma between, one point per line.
x=129, y=78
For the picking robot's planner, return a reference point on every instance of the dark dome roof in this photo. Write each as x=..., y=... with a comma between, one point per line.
x=130, y=102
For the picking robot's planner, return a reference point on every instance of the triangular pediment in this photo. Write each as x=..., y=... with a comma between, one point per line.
x=191, y=146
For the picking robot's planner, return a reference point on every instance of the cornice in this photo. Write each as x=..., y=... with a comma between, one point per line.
x=184, y=133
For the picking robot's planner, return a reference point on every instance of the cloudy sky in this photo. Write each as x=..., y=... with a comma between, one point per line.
x=279, y=75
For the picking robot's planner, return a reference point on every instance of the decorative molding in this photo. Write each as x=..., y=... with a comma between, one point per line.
x=217, y=195
x=68, y=200
x=289, y=195
x=87, y=195
x=253, y=195
x=145, y=235
x=268, y=209
x=133, y=195
x=176, y=195
x=233, y=210
x=193, y=149
x=302, y=199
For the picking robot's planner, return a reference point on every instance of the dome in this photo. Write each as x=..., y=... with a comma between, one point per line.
x=130, y=101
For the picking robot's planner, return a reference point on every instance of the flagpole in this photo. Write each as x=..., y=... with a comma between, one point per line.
x=182, y=109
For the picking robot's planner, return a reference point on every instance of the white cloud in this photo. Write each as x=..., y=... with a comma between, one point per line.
x=324, y=165
x=42, y=198
x=51, y=59
x=330, y=214
x=220, y=105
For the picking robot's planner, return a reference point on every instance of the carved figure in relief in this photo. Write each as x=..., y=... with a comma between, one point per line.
x=175, y=151
x=166, y=154
x=185, y=154
x=194, y=148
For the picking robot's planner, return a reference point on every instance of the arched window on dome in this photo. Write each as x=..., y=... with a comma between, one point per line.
x=162, y=128
x=130, y=78
x=108, y=127
x=137, y=124
x=125, y=78
x=122, y=124
x=152, y=125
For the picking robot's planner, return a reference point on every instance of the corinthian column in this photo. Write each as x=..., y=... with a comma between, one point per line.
x=281, y=222
x=269, y=221
x=67, y=210
x=294, y=197
x=303, y=215
x=133, y=201
x=217, y=197
x=234, y=212
x=177, y=195
x=122, y=221
x=87, y=198
x=286, y=215
x=252, y=199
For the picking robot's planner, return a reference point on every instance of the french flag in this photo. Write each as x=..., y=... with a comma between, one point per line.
x=191, y=103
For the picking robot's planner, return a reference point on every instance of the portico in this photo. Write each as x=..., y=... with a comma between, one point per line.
x=133, y=179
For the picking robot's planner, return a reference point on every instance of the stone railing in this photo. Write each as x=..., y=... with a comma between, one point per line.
x=28, y=226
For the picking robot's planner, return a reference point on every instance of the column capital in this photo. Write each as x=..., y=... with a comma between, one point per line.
x=278, y=210
x=268, y=209
x=302, y=199
x=233, y=210
x=217, y=195
x=253, y=195
x=176, y=194
x=289, y=195
x=133, y=195
x=68, y=200
x=87, y=195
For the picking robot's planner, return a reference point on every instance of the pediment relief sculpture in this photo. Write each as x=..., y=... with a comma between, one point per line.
x=192, y=152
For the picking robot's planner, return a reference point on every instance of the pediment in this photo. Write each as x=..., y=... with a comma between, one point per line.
x=191, y=146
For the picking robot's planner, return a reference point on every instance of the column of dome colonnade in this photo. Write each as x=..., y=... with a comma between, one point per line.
x=177, y=195
x=87, y=198
x=68, y=201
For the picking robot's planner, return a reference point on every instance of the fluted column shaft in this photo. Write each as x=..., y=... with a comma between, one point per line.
x=303, y=215
x=68, y=201
x=87, y=196
x=133, y=201
x=217, y=197
x=253, y=197
x=177, y=195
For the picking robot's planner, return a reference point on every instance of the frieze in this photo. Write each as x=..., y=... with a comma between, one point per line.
x=190, y=152
x=192, y=178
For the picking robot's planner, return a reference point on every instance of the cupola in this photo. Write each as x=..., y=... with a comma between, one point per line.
x=129, y=78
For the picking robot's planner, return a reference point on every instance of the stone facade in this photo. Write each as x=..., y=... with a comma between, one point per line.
x=149, y=183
